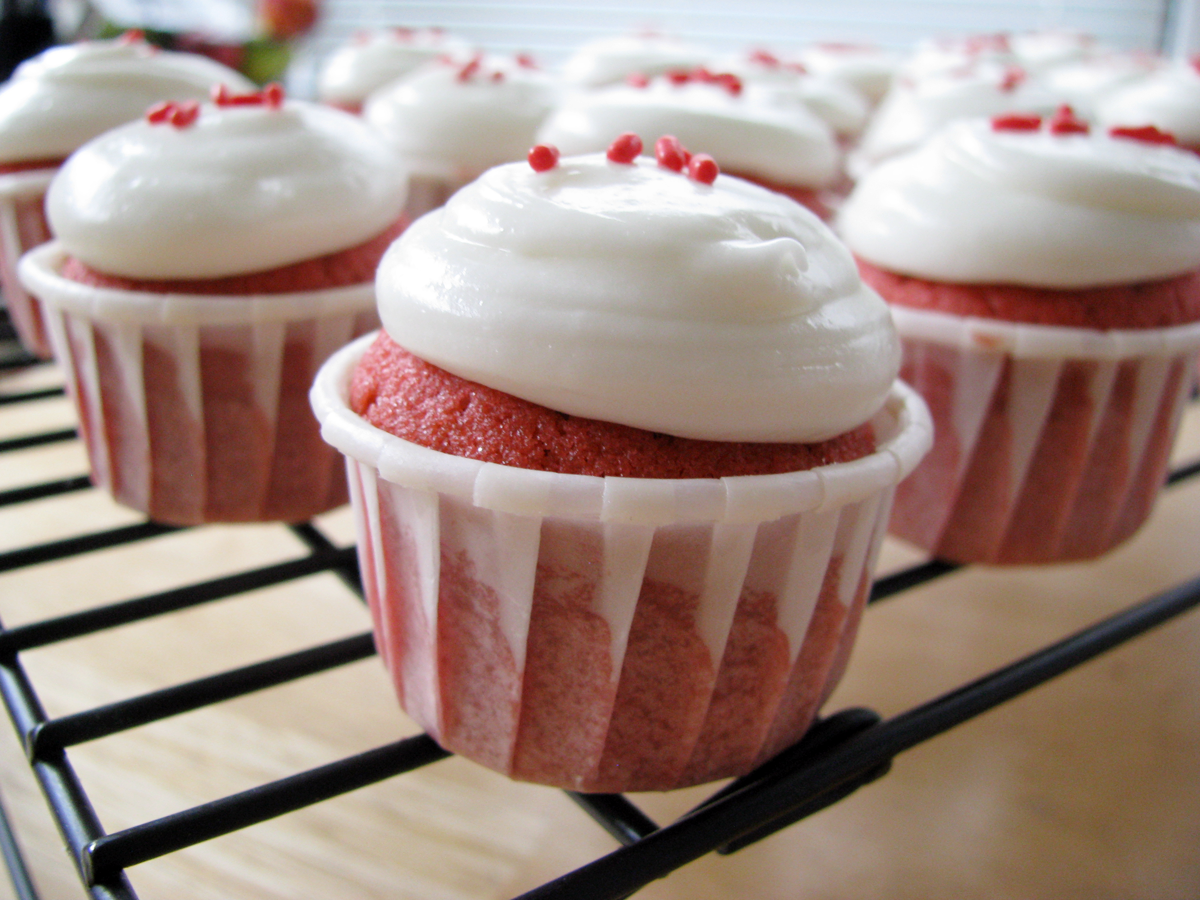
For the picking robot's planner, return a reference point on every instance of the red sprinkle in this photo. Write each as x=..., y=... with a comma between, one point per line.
x=703, y=168
x=270, y=96
x=1064, y=121
x=1195, y=63
x=180, y=115
x=1147, y=134
x=765, y=58
x=730, y=82
x=543, y=157
x=670, y=153
x=1016, y=122
x=497, y=76
x=132, y=36
x=678, y=76
x=1014, y=76
x=468, y=70
x=638, y=80
x=525, y=61
x=625, y=149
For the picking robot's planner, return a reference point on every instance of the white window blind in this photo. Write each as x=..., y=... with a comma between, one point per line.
x=551, y=29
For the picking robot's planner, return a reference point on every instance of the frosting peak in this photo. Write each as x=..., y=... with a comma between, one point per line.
x=632, y=293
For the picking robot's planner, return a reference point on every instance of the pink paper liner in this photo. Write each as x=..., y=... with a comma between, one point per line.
x=23, y=226
x=640, y=637
x=1051, y=445
x=195, y=409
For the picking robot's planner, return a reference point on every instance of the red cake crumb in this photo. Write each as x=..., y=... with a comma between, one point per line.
x=418, y=402
x=1148, y=304
x=355, y=265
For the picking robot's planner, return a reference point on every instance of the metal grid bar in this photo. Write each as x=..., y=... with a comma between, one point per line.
x=841, y=752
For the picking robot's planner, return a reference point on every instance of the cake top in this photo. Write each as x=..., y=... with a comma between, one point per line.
x=69, y=94
x=1040, y=201
x=373, y=58
x=652, y=292
x=244, y=183
x=458, y=116
x=612, y=59
x=1169, y=99
x=746, y=127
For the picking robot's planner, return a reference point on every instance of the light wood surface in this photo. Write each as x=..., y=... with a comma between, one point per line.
x=1088, y=787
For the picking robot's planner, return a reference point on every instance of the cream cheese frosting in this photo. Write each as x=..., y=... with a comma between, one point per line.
x=373, y=58
x=749, y=130
x=241, y=188
x=635, y=294
x=69, y=94
x=457, y=117
x=980, y=205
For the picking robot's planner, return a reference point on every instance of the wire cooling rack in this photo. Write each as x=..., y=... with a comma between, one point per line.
x=842, y=752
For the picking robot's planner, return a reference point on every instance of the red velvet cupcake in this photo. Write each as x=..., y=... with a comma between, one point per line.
x=195, y=292
x=621, y=464
x=1043, y=278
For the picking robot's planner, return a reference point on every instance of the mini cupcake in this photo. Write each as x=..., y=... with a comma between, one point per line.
x=372, y=59
x=51, y=105
x=781, y=146
x=1043, y=277
x=207, y=258
x=621, y=461
x=612, y=59
x=451, y=119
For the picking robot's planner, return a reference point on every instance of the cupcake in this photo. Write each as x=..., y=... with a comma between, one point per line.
x=778, y=145
x=620, y=459
x=207, y=258
x=372, y=59
x=1043, y=277
x=612, y=59
x=51, y=105
x=451, y=119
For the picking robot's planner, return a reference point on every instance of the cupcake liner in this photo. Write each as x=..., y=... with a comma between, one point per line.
x=1052, y=443
x=194, y=409
x=613, y=634
x=23, y=226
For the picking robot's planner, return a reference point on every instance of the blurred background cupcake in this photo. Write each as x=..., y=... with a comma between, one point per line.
x=190, y=341
x=52, y=104
x=1043, y=276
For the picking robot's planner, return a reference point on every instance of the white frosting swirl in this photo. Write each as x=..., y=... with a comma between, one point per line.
x=372, y=59
x=241, y=189
x=1061, y=211
x=448, y=120
x=69, y=94
x=751, y=132
x=1169, y=99
x=633, y=294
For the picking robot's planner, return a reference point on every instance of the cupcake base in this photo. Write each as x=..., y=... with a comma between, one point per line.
x=194, y=409
x=613, y=634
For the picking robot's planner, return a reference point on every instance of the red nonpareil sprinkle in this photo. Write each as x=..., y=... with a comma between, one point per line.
x=1064, y=121
x=764, y=58
x=1016, y=122
x=543, y=157
x=497, y=76
x=180, y=115
x=625, y=149
x=270, y=96
x=132, y=36
x=678, y=76
x=703, y=168
x=525, y=61
x=638, y=80
x=1147, y=134
x=670, y=153
x=1014, y=77
x=730, y=82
